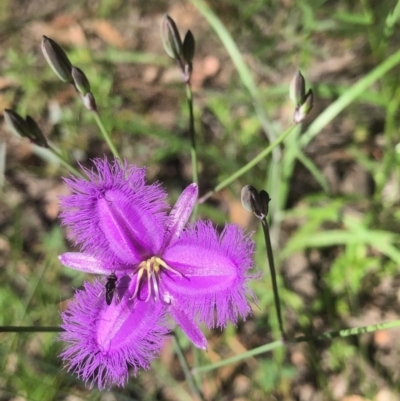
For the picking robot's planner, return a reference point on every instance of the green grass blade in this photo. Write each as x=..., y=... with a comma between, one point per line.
x=244, y=72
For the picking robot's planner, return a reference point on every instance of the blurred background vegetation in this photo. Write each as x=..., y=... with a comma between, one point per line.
x=334, y=186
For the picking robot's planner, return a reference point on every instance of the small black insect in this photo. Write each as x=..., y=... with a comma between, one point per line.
x=110, y=287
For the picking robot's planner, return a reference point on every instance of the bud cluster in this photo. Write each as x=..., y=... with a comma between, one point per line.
x=255, y=202
x=182, y=52
x=26, y=128
x=62, y=66
x=302, y=100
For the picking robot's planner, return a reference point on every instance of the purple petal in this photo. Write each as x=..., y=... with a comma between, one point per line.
x=215, y=271
x=189, y=327
x=180, y=214
x=132, y=233
x=86, y=263
x=123, y=187
x=103, y=340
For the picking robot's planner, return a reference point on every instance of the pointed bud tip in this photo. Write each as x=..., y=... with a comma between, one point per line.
x=188, y=47
x=57, y=59
x=297, y=89
x=171, y=38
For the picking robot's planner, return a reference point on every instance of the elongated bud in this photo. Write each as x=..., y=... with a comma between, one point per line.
x=298, y=89
x=304, y=109
x=302, y=100
x=170, y=37
x=36, y=132
x=189, y=46
x=27, y=128
x=81, y=82
x=57, y=59
x=16, y=124
x=264, y=202
x=249, y=196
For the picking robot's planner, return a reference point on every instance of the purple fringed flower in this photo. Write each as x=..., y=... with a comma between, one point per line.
x=103, y=340
x=195, y=273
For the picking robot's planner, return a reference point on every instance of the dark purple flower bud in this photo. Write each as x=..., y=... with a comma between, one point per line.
x=27, y=128
x=57, y=59
x=304, y=109
x=36, y=132
x=188, y=47
x=249, y=198
x=81, y=82
x=171, y=38
x=264, y=202
x=298, y=89
x=16, y=123
x=255, y=202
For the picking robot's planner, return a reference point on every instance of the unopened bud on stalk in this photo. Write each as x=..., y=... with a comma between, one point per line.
x=302, y=100
x=170, y=37
x=36, y=132
x=57, y=59
x=188, y=47
x=16, y=123
x=298, y=89
x=255, y=202
x=302, y=111
x=81, y=82
x=27, y=128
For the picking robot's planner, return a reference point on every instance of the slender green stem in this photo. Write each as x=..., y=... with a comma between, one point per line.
x=186, y=371
x=273, y=275
x=280, y=343
x=106, y=135
x=64, y=162
x=249, y=165
x=31, y=329
x=193, y=151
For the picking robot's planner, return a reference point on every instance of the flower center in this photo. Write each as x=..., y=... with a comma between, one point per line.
x=152, y=267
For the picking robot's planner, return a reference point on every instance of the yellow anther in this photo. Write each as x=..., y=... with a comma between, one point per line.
x=152, y=267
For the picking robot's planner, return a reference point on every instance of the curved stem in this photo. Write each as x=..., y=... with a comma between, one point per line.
x=249, y=165
x=106, y=135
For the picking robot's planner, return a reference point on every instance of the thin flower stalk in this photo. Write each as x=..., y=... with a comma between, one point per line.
x=262, y=155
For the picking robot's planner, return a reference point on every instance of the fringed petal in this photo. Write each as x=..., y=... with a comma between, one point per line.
x=102, y=341
x=122, y=187
x=214, y=285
